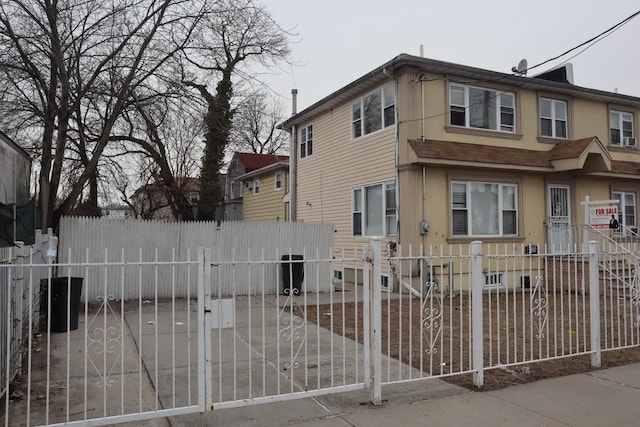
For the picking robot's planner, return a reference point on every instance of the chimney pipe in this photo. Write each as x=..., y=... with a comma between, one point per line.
x=294, y=102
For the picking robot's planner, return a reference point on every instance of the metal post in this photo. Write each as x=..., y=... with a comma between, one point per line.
x=375, y=310
x=585, y=226
x=205, y=383
x=476, y=313
x=594, y=302
x=366, y=286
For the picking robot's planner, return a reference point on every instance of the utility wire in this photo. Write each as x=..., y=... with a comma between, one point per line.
x=605, y=32
x=589, y=42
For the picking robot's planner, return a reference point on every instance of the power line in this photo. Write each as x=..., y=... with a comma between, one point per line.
x=592, y=41
x=606, y=32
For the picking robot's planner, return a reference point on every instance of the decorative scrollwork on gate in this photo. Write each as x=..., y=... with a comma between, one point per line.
x=635, y=296
x=431, y=322
x=539, y=307
x=292, y=329
x=104, y=339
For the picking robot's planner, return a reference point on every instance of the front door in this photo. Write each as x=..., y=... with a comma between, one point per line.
x=560, y=236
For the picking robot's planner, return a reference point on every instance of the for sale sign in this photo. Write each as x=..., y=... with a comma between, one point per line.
x=604, y=216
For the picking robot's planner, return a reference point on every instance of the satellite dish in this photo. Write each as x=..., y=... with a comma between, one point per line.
x=521, y=69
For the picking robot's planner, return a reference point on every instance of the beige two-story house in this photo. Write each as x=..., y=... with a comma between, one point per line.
x=261, y=183
x=428, y=153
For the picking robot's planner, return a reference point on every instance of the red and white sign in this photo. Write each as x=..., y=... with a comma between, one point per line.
x=601, y=216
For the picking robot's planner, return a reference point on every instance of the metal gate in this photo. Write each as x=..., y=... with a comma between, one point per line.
x=110, y=360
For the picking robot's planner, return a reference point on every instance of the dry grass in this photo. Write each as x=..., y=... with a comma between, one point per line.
x=434, y=335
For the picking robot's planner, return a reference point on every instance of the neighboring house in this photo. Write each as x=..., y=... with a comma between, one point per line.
x=18, y=214
x=265, y=192
x=15, y=172
x=246, y=163
x=423, y=152
x=151, y=201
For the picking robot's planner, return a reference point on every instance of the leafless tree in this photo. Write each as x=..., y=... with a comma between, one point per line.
x=235, y=34
x=255, y=126
x=69, y=69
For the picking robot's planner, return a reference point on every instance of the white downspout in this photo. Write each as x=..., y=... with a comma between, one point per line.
x=293, y=159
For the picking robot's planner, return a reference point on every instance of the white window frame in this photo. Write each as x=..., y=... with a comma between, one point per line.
x=256, y=186
x=277, y=181
x=194, y=197
x=388, y=215
x=306, y=141
x=625, y=211
x=386, y=113
x=504, y=101
x=494, y=279
x=617, y=119
x=554, y=118
x=500, y=209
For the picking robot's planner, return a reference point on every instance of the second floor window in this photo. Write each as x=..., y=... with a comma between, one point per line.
x=194, y=196
x=373, y=112
x=480, y=108
x=278, y=180
x=484, y=208
x=553, y=118
x=306, y=141
x=256, y=186
x=622, y=128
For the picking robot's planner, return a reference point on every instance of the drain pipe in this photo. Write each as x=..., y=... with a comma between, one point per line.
x=293, y=159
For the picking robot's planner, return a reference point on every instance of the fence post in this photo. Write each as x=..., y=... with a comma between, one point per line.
x=594, y=303
x=375, y=322
x=477, y=313
x=367, y=258
x=205, y=376
x=19, y=298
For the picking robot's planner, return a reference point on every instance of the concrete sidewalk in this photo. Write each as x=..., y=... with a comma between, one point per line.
x=607, y=397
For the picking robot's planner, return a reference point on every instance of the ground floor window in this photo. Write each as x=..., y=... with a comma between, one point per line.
x=374, y=210
x=626, y=213
x=484, y=208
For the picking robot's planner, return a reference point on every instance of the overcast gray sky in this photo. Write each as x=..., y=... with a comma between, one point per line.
x=340, y=40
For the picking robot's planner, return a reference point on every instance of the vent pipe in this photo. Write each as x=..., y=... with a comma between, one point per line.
x=293, y=159
x=294, y=102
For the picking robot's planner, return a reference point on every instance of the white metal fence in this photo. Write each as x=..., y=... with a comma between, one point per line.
x=428, y=313
x=20, y=302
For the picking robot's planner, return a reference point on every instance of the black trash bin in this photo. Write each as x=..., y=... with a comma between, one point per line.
x=292, y=274
x=59, y=298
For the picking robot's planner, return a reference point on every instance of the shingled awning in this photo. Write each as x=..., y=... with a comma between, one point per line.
x=587, y=155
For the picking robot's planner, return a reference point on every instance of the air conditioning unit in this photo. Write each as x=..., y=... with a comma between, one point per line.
x=629, y=141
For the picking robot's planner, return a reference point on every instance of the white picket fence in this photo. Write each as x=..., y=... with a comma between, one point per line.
x=164, y=254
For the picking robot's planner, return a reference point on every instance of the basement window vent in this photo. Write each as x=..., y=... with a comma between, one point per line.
x=386, y=283
x=493, y=280
x=338, y=274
